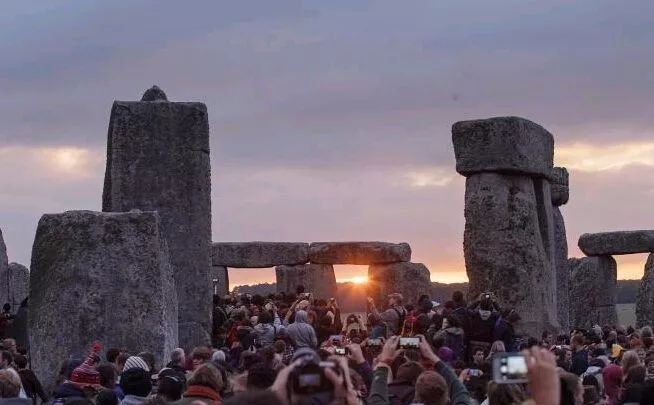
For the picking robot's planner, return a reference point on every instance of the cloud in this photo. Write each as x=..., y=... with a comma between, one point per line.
x=598, y=157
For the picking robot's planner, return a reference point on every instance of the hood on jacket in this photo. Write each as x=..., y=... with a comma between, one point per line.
x=301, y=317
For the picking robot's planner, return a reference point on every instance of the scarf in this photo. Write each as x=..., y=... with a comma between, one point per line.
x=203, y=392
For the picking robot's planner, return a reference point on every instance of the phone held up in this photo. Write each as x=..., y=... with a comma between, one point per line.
x=509, y=368
x=412, y=342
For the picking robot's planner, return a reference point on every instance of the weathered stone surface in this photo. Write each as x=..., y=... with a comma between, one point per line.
x=259, y=254
x=18, y=326
x=158, y=160
x=99, y=277
x=593, y=282
x=502, y=144
x=559, y=182
x=509, y=246
x=154, y=93
x=645, y=297
x=4, y=266
x=562, y=270
x=220, y=280
x=409, y=279
x=17, y=282
x=318, y=279
x=617, y=243
x=359, y=252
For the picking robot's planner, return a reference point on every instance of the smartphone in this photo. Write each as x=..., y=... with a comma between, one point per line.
x=409, y=342
x=341, y=351
x=374, y=342
x=310, y=378
x=509, y=368
x=473, y=372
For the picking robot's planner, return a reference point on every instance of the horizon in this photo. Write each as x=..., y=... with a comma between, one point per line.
x=331, y=121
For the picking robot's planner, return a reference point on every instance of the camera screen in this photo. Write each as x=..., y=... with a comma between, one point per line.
x=513, y=367
x=409, y=342
x=309, y=380
x=374, y=342
x=340, y=351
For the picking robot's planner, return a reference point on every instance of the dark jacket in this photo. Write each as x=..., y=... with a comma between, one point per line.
x=32, y=385
x=504, y=331
x=65, y=392
x=579, y=362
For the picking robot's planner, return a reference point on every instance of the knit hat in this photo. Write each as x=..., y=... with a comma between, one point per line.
x=85, y=375
x=135, y=362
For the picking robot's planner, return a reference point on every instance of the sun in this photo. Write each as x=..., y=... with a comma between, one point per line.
x=359, y=280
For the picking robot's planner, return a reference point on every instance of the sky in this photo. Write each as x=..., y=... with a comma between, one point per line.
x=331, y=120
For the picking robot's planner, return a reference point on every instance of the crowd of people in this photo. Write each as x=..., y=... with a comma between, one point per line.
x=298, y=349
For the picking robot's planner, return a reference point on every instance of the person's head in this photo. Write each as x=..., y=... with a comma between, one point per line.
x=6, y=358
x=178, y=357
x=409, y=372
x=478, y=356
x=279, y=346
x=457, y=298
x=497, y=347
x=265, y=317
x=395, y=300
x=120, y=361
x=634, y=341
x=591, y=395
x=260, y=377
x=200, y=355
x=572, y=392
x=577, y=341
x=108, y=375
x=112, y=353
x=136, y=381
x=20, y=361
x=629, y=359
x=9, y=344
x=9, y=384
x=635, y=375
x=431, y=389
x=509, y=394
x=649, y=363
x=149, y=360
x=171, y=385
x=206, y=375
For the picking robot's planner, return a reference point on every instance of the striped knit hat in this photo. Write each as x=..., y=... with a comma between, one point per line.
x=85, y=374
x=136, y=362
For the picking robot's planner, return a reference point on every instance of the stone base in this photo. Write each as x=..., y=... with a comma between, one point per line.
x=593, y=282
x=409, y=279
x=318, y=279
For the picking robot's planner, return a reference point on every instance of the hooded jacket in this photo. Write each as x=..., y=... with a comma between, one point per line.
x=301, y=332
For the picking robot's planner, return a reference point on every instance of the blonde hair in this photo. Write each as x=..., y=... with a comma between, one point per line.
x=629, y=359
x=9, y=383
x=497, y=347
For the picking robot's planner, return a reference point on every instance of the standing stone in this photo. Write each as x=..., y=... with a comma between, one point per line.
x=509, y=246
x=17, y=278
x=4, y=266
x=645, y=298
x=158, y=160
x=318, y=279
x=409, y=279
x=593, y=292
x=220, y=280
x=99, y=277
x=560, y=180
x=361, y=253
x=562, y=270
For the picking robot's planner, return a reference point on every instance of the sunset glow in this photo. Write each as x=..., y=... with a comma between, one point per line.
x=587, y=157
x=356, y=280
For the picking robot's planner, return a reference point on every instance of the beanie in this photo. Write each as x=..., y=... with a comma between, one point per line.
x=135, y=362
x=85, y=374
x=136, y=381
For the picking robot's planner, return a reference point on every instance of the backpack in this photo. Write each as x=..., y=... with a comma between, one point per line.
x=455, y=341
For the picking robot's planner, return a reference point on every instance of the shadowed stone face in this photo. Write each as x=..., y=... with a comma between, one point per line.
x=359, y=252
x=318, y=279
x=100, y=277
x=4, y=266
x=617, y=243
x=158, y=160
x=559, y=181
x=562, y=269
x=645, y=298
x=504, y=145
x=592, y=292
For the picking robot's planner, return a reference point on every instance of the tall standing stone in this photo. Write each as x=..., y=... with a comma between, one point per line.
x=158, y=160
x=99, y=277
x=509, y=231
x=18, y=285
x=593, y=292
x=645, y=298
x=318, y=279
x=4, y=266
x=560, y=195
x=409, y=279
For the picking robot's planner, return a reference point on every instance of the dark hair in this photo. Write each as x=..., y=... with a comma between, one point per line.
x=457, y=297
x=7, y=356
x=122, y=358
x=265, y=317
x=149, y=360
x=171, y=386
x=635, y=375
x=112, y=354
x=107, y=373
x=136, y=381
x=201, y=353
x=21, y=361
x=106, y=397
x=254, y=398
x=260, y=377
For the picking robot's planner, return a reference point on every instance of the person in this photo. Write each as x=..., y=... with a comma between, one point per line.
x=579, y=355
x=83, y=382
x=31, y=384
x=394, y=316
x=266, y=330
x=496, y=347
x=481, y=324
x=505, y=394
x=301, y=332
x=505, y=330
x=633, y=384
x=177, y=360
x=478, y=358
x=136, y=384
x=453, y=336
x=5, y=320
x=170, y=384
x=612, y=378
x=203, y=387
x=199, y=356
x=10, y=389
x=572, y=392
